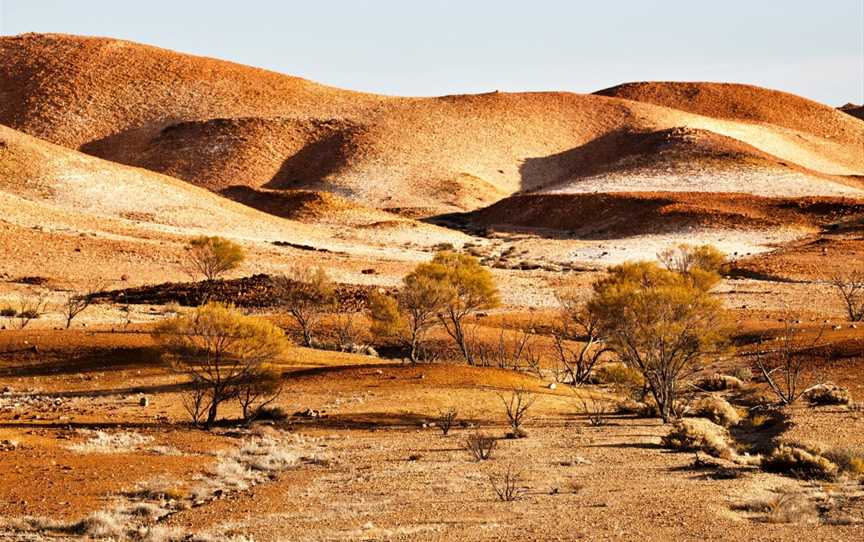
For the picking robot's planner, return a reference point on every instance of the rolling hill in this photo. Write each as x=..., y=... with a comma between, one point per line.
x=220, y=125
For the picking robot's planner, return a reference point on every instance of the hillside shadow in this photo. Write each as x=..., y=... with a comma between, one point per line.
x=311, y=165
x=115, y=359
x=594, y=157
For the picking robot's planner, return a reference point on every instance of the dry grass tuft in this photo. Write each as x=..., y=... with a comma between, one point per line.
x=699, y=435
x=102, y=442
x=716, y=409
x=828, y=394
x=799, y=461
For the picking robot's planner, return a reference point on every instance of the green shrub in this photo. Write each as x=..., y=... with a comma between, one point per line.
x=8, y=312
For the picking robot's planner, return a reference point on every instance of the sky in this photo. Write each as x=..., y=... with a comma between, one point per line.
x=434, y=47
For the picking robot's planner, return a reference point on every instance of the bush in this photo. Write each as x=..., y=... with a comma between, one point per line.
x=718, y=410
x=718, y=382
x=516, y=408
x=480, y=446
x=8, y=312
x=744, y=374
x=619, y=375
x=272, y=413
x=828, y=394
x=506, y=486
x=800, y=462
x=212, y=257
x=697, y=435
x=306, y=293
x=446, y=419
x=848, y=460
x=784, y=507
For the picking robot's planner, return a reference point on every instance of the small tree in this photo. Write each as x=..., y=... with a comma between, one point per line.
x=702, y=264
x=306, y=293
x=659, y=322
x=212, y=257
x=221, y=350
x=469, y=288
x=850, y=286
x=785, y=364
x=410, y=315
x=581, y=326
x=74, y=303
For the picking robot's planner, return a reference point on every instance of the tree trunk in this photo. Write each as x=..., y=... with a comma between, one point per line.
x=211, y=414
x=413, y=354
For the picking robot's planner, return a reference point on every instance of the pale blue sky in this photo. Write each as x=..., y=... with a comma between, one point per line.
x=810, y=47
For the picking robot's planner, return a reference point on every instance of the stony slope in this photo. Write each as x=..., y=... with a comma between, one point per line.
x=218, y=125
x=70, y=194
x=625, y=214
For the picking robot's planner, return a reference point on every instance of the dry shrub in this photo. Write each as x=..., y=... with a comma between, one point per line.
x=800, y=461
x=597, y=410
x=786, y=506
x=480, y=446
x=720, y=382
x=744, y=374
x=101, y=442
x=619, y=375
x=446, y=419
x=718, y=410
x=507, y=485
x=828, y=394
x=699, y=435
x=848, y=460
x=516, y=408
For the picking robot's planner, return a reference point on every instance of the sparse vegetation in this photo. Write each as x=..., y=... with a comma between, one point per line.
x=515, y=349
x=480, y=445
x=516, y=407
x=507, y=485
x=786, y=361
x=597, y=410
x=212, y=257
x=582, y=327
x=74, y=303
x=446, y=419
x=222, y=351
x=306, y=293
x=784, y=506
x=850, y=286
x=29, y=306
